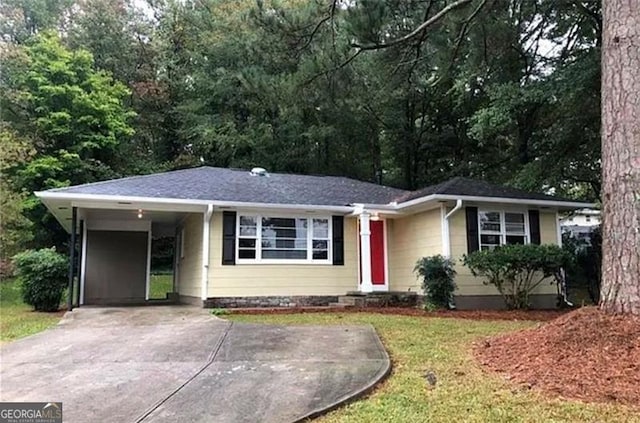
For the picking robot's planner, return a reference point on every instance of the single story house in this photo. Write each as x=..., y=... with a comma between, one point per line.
x=255, y=238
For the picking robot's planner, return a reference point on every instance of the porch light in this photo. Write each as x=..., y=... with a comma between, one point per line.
x=139, y=213
x=375, y=216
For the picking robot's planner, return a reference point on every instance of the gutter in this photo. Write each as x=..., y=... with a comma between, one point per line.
x=206, y=236
x=446, y=239
x=532, y=202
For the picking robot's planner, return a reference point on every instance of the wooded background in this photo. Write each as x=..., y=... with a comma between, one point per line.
x=502, y=90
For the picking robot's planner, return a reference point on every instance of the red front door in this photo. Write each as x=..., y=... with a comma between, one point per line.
x=377, y=252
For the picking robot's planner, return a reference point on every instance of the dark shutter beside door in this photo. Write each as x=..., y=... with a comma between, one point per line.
x=229, y=237
x=534, y=226
x=338, y=240
x=473, y=239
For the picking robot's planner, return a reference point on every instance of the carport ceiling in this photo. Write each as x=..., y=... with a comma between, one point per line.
x=154, y=216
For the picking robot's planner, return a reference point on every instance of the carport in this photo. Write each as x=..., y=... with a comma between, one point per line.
x=111, y=261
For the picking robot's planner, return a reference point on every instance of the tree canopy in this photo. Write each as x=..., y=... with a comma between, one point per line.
x=503, y=90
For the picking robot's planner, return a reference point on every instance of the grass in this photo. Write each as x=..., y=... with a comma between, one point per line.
x=17, y=319
x=464, y=392
x=160, y=284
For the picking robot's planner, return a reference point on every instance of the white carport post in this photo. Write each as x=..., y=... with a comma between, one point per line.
x=365, y=252
x=206, y=236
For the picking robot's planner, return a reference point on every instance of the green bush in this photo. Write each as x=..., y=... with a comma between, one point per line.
x=43, y=275
x=516, y=270
x=437, y=280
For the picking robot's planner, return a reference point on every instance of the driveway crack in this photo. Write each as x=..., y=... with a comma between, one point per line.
x=209, y=361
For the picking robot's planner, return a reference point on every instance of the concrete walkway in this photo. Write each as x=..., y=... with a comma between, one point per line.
x=157, y=364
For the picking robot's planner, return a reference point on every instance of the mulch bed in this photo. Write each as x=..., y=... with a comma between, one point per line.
x=586, y=355
x=536, y=315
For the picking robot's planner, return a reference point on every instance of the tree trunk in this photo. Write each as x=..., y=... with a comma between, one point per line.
x=621, y=157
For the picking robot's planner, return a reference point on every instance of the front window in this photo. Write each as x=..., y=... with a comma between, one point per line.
x=279, y=239
x=501, y=228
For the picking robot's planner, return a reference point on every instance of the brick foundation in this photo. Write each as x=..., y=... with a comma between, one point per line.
x=270, y=301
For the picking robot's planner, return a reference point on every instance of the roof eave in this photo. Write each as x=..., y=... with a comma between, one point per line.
x=559, y=204
x=175, y=204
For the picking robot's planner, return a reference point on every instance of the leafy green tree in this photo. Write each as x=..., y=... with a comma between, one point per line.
x=15, y=228
x=75, y=115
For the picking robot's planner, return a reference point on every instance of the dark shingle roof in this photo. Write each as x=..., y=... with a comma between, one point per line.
x=476, y=188
x=212, y=183
x=220, y=184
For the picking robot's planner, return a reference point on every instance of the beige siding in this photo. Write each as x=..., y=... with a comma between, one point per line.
x=409, y=239
x=470, y=285
x=282, y=279
x=190, y=266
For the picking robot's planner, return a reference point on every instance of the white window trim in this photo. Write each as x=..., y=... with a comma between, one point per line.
x=503, y=227
x=258, y=238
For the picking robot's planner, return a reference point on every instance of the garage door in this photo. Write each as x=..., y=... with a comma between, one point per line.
x=116, y=267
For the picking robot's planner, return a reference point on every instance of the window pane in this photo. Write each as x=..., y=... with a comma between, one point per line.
x=284, y=254
x=515, y=239
x=286, y=243
x=284, y=238
x=248, y=226
x=248, y=220
x=320, y=228
x=284, y=228
x=247, y=243
x=320, y=244
x=490, y=239
x=514, y=223
x=320, y=254
x=247, y=254
x=489, y=221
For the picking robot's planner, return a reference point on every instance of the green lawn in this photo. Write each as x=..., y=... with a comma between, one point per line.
x=464, y=392
x=16, y=318
x=160, y=284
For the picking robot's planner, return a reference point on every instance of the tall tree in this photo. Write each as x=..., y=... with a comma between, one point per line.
x=621, y=157
x=73, y=114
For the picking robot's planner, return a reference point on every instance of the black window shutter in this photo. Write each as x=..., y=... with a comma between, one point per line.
x=338, y=240
x=534, y=226
x=229, y=237
x=473, y=240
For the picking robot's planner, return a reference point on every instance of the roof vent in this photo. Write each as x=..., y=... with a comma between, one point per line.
x=259, y=171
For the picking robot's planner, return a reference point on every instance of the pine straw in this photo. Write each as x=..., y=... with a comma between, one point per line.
x=586, y=355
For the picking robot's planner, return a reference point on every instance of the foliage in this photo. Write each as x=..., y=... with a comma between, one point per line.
x=219, y=312
x=74, y=116
x=584, y=268
x=438, y=284
x=443, y=346
x=281, y=85
x=516, y=270
x=160, y=285
x=14, y=226
x=43, y=274
x=17, y=319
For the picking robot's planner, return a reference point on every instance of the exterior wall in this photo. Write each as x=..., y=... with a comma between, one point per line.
x=252, y=280
x=190, y=266
x=409, y=239
x=469, y=284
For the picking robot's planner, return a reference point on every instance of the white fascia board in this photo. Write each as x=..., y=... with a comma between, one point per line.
x=467, y=198
x=384, y=209
x=175, y=204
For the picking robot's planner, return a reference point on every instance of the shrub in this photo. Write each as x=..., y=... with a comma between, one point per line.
x=437, y=280
x=516, y=270
x=43, y=275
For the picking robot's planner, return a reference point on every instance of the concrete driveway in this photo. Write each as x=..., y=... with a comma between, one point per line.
x=156, y=364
